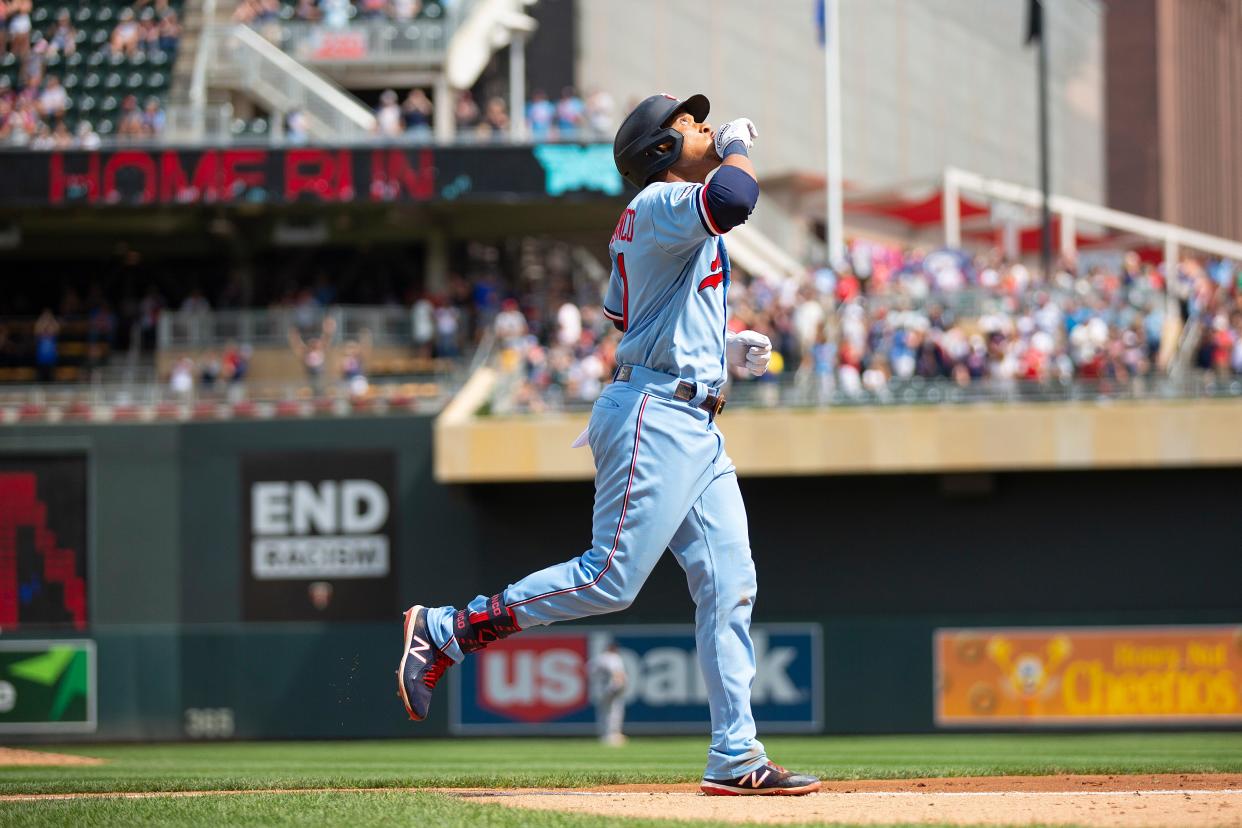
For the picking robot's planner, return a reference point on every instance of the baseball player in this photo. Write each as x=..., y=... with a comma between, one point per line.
x=662, y=477
x=607, y=671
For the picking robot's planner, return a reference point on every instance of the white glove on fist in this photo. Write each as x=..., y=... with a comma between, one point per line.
x=750, y=350
x=742, y=129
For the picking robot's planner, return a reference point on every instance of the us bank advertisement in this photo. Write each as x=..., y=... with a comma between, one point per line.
x=541, y=682
x=1088, y=676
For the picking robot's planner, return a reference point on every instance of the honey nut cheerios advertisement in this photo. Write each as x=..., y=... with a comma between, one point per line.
x=1088, y=676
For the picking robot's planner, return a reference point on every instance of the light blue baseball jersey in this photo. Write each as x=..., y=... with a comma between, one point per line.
x=670, y=277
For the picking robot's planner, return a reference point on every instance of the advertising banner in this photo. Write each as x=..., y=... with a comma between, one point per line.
x=142, y=176
x=47, y=687
x=318, y=536
x=43, y=539
x=1088, y=676
x=539, y=682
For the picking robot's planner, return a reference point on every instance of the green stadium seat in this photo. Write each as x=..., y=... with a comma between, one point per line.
x=40, y=16
x=97, y=59
x=98, y=38
x=75, y=60
x=113, y=80
x=157, y=80
x=116, y=60
x=138, y=59
x=110, y=104
x=85, y=14
x=92, y=81
x=87, y=104
x=105, y=126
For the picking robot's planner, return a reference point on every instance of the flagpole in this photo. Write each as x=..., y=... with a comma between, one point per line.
x=834, y=222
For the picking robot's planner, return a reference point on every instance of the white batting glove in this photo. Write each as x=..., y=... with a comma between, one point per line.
x=750, y=350
x=742, y=129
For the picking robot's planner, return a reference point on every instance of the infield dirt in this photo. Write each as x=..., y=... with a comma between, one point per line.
x=1197, y=800
x=14, y=757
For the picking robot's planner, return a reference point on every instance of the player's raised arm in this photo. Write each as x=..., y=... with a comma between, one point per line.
x=666, y=148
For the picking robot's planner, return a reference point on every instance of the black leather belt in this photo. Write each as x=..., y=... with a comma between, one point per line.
x=685, y=391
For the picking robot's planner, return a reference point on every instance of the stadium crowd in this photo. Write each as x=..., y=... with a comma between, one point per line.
x=890, y=318
x=45, y=69
x=894, y=317
x=569, y=117
x=335, y=13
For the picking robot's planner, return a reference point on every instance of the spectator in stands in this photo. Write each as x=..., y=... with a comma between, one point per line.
x=62, y=36
x=307, y=11
x=495, y=120
x=357, y=354
x=405, y=10
x=87, y=138
x=148, y=32
x=569, y=113
x=540, y=113
x=130, y=123
x=4, y=28
x=125, y=35
x=152, y=117
x=372, y=9
x=235, y=363
x=418, y=111
x=46, y=331
x=62, y=138
x=149, y=310
x=209, y=370
x=335, y=13
x=181, y=377
x=296, y=127
x=466, y=112
x=313, y=352
x=52, y=99
x=19, y=26
x=388, y=115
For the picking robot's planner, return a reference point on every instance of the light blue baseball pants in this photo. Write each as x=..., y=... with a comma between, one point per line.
x=662, y=480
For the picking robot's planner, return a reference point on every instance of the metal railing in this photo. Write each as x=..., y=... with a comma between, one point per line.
x=387, y=326
x=253, y=63
x=809, y=390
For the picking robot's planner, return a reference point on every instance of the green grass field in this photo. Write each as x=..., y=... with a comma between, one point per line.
x=547, y=763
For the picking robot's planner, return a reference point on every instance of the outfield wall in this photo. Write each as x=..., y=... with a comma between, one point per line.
x=189, y=644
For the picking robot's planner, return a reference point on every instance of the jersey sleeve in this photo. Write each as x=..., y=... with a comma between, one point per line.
x=680, y=218
x=617, y=297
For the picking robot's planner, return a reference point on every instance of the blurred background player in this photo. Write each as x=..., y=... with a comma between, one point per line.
x=608, y=678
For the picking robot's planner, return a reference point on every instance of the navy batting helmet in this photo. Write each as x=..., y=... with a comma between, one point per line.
x=637, y=149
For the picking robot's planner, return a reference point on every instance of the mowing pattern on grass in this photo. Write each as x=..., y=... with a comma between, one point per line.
x=279, y=768
x=576, y=763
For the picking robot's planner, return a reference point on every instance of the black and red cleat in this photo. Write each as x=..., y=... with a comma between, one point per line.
x=769, y=780
x=422, y=664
